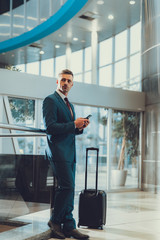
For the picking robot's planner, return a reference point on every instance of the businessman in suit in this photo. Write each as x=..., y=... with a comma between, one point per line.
x=61, y=127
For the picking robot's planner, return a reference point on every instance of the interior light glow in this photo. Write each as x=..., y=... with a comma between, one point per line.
x=75, y=39
x=43, y=19
x=14, y=25
x=41, y=52
x=4, y=34
x=100, y=2
x=18, y=26
x=57, y=46
x=6, y=14
x=18, y=16
x=110, y=17
x=132, y=2
x=29, y=28
x=4, y=25
x=32, y=18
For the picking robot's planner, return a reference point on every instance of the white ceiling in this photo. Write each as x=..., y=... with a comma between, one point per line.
x=125, y=15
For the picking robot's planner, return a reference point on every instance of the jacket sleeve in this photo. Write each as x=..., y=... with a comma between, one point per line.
x=50, y=111
x=78, y=132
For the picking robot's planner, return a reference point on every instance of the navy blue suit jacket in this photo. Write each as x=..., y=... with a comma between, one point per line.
x=60, y=129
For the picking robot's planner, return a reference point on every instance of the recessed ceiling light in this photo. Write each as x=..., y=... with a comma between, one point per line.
x=132, y=2
x=110, y=17
x=57, y=46
x=41, y=52
x=75, y=39
x=60, y=35
x=100, y=2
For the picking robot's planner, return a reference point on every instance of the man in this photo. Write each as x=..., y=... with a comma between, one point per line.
x=61, y=127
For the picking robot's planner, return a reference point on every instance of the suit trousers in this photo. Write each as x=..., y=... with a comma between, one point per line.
x=64, y=197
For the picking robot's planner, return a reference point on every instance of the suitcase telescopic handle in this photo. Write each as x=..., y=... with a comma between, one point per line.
x=93, y=149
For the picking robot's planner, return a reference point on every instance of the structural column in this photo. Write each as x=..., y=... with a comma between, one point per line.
x=151, y=86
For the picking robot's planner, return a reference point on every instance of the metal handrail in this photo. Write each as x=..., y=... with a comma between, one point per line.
x=36, y=131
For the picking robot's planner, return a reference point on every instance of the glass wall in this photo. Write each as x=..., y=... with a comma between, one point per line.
x=33, y=68
x=77, y=65
x=119, y=62
x=124, y=143
x=60, y=63
x=125, y=149
x=25, y=16
x=23, y=113
x=95, y=135
x=47, y=67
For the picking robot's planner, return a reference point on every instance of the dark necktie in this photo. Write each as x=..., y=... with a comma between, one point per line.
x=68, y=105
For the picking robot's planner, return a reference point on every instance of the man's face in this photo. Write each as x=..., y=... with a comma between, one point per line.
x=65, y=82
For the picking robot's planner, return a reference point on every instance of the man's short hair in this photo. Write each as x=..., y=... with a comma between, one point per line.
x=66, y=71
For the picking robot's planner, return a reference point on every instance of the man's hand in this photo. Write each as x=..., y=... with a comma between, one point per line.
x=81, y=123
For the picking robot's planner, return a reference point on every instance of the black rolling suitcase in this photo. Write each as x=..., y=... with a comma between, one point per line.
x=92, y=202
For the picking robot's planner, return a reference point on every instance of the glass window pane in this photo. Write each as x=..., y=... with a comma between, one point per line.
x=6, y=27
x=60, y=64
x=121, y=45
x=120, y=72
x=88, y=63
x=47, y=67
x=44, y=10
x=87, y=77
x=105, y=76
x=78, y=77
x=105, y=52
x=125, y=149
x=32, y=19
x=76, y=62
x=18, y=21
x=135, y=65
x=92, y=138
x=33, y=68
x=23, y=113
x=135, y=38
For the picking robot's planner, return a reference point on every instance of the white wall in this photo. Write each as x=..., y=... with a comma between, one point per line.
x=32, y=86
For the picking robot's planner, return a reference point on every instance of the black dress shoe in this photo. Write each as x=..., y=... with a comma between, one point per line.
x=74, y=233
x=56, y=230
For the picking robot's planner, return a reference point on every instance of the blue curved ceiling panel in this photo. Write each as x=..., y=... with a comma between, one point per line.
x=62, y=16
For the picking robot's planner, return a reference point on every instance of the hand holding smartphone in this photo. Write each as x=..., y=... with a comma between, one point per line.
x=89, y=116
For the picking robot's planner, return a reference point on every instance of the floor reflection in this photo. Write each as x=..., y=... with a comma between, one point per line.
x=131, y=215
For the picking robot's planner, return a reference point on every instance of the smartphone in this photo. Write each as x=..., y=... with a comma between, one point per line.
x=88, y=116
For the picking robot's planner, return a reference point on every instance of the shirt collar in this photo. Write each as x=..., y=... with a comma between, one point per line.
x=61, y=94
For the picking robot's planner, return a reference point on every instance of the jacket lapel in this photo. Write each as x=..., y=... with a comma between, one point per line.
x=66, y=109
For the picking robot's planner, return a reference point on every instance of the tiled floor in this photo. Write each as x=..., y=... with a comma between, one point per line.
x=130, y=216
